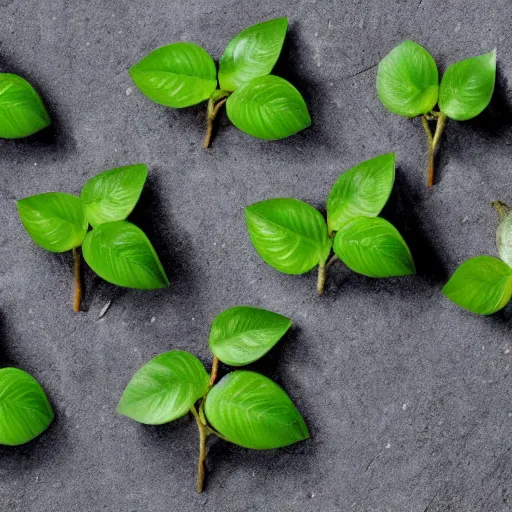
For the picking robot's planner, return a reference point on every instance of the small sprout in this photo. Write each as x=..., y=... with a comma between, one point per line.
x=293, y=237
x=25, y=411
x=244, y=408
x=263, y=105
x=22, y=112
x=483, y=284
x=408, y=85
x=115, y=249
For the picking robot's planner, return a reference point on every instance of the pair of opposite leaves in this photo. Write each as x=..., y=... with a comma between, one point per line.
x=408, y=85
x=117, y=250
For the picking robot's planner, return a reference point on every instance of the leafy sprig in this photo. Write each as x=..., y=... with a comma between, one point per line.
x=408, y=85
x=116, y=250
x=483, y=284
x=293, y=237
x=263, y=105
x=25, y=411
x=244, y=407
x=22, y=112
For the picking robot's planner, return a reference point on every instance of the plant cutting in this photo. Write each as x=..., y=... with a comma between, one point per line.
x=483, y=284
x=263, y=105
x=25, y=411
x=408, y=85
x=293, y=237
x=243, y=408
x=22, y=112
x=115, y=249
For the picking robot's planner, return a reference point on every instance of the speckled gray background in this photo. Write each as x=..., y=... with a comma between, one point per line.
x=407, y=396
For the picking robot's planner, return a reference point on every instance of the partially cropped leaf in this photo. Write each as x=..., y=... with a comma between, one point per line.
x=481, y=285
x=113, y=194
x=177, y=75
x=121, y=253
x=408, y=80
x=164, y=389
x=252, y=53
x=289, y=235
x=55, y=221
x=373, y=247
x=504, y=238
x=467, y=87
x=243, y=334
x=22, y=112
x=361, y=191
x=254, y=412
x=269, y=108
x=25, y=411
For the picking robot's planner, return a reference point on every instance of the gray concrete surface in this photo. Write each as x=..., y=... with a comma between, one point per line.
x=407, y=396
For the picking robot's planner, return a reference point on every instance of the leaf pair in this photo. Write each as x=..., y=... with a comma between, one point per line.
x=244, y=408
x=408, y=85
x=293, y=237
x=25, y=411
x=263, y=105
x=483, y=284
x=22, y=112
x=115, y=249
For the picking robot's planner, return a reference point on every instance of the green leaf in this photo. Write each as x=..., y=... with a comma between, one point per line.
x=361, y=191
x=164, y=389
x=252, y=53
x=504, y=235
x=55, y=221
x=289, y=235
x=481, y=285
x=177, y=75
x=113, y=194
x=408, y=80
x=373, y=247
x=269, y=108
x=22, y=112
x=254, y=412
x=121, y=253
x=243, y=334
x=25, y=411
x=467, y=87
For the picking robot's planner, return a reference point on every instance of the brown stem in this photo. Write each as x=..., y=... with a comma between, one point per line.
x=211, y=114
x=320, y=283
x=430, y=149
x=201, y=470
x=78, y=279
x=215, y=369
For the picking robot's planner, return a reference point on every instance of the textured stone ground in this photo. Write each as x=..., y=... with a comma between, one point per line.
x=407, y=396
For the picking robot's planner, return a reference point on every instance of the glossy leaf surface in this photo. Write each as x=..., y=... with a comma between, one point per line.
x=250, y=410
x=467, y=87
x=113, y=194
x=25, y=411
x=481, y=285
x=408, y=80
x=243, y=334
x=177, y=75
x=289, y=235
x=373, y=247
x=269, y=108
x=164, y=389
x=361, y=191
x=252, y=53
x=22, y=112
x=121, y=253
x=55, y=221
